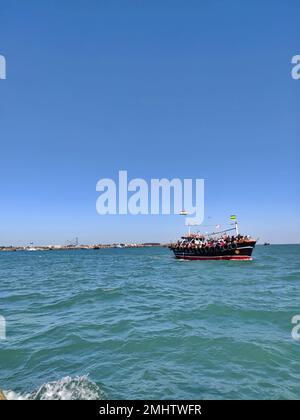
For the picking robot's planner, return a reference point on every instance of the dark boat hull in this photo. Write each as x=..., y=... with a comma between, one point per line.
x=239, y=252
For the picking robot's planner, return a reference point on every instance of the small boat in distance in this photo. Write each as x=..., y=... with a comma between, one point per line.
x=266, y=243
x=30, y=247
x=215, y=246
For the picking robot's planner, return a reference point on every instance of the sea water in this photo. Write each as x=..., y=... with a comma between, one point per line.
x=136, y=323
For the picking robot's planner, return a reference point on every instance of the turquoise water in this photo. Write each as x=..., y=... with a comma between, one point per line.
x=136, y=323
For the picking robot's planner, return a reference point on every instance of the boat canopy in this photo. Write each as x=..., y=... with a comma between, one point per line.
x=202, y=235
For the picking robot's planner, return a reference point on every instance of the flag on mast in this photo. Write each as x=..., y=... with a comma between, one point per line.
x=233, y=217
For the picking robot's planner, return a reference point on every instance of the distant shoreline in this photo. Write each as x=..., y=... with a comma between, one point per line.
x=78, y=247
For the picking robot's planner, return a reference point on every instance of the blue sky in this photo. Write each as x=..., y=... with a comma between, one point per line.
x=197, y=89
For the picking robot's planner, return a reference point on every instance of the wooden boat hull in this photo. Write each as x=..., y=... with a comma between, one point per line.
x=238, y=252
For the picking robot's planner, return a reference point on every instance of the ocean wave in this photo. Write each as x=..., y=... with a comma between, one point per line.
x=67, y=388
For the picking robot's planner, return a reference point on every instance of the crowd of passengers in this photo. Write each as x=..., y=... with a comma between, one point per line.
x=199, y=241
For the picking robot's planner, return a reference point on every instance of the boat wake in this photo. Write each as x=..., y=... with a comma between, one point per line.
x=77, y=388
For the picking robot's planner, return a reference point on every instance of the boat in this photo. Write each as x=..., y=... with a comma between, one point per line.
x=30, y=247
x=266, y=244
x=220, y=245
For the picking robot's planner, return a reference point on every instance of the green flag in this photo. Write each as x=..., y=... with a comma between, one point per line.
x=233, y=217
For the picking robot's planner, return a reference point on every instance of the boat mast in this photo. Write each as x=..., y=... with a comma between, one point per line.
x=236, y=228
x=185, y=213
x=233, y=217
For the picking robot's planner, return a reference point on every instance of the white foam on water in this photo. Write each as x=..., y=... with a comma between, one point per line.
x=11, y=395
x=67, y=388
